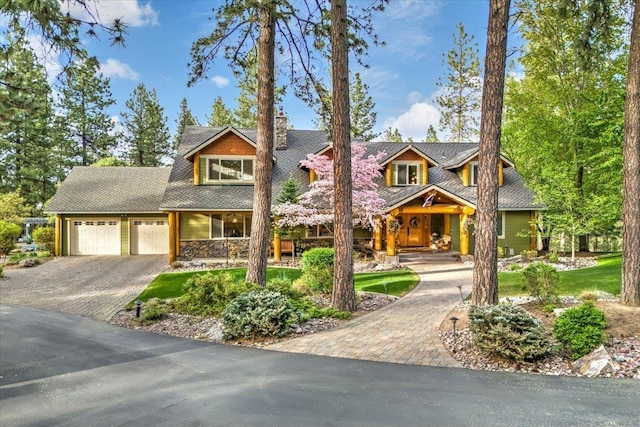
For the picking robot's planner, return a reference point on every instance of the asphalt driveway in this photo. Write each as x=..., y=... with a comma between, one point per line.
x=93, y=286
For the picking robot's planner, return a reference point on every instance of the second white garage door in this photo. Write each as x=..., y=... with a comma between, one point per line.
x=149, y=236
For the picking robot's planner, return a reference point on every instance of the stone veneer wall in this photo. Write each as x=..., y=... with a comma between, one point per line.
x=239, y=248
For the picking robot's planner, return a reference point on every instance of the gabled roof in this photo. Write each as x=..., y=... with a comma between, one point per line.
x=112, y=189
x=410, y=147
x=466, y=156
x=197, y=144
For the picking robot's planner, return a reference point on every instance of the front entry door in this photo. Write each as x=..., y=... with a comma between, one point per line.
x=413, y=230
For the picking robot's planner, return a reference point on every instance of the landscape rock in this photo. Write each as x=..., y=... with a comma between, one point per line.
x=26, y=263
x=597, y=362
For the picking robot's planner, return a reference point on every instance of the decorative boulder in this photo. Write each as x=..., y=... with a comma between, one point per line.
x=595, y=363
x=25, y=263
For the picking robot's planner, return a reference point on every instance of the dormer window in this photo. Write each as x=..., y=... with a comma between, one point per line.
x=473, y=166
x=229, y=169
x=407, y=173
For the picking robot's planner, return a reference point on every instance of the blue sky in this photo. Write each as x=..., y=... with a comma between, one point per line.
x=402, y=75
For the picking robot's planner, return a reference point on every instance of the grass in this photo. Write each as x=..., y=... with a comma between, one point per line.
x=605, y=276
x=399, y=282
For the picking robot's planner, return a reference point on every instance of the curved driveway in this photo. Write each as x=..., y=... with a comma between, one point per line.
x=93, y=286
x=403, y=332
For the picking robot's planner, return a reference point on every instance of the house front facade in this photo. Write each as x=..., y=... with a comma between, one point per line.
x=201, y=207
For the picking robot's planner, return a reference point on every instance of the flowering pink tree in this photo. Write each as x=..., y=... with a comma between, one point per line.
x=315, y=207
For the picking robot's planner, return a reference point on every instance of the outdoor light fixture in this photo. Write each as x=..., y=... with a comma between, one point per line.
x=454, y=319
x=460, y=289
x=138, y=306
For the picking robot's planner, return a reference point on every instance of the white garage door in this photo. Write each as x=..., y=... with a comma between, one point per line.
x=149, y=236
x=94, y=236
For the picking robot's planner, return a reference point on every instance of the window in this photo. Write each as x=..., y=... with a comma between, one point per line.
x=473, y=179
x=102, y=223
x=229, y=169
x=230, y=225
x=501, y=218
x=137, y=222
x=407, y=173
x=159, y=222
x=315, y=231
x=113, y=223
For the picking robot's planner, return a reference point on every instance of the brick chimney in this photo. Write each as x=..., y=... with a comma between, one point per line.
x=280, y=129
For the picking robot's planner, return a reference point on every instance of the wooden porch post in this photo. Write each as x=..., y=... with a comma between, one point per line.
x=464, y=234
x=391, y=239
x=172, y=237
x=447, y=224
x=177, y=228
x=277, y=247
x=57, y=247
x=377, y=235
x=196, y=169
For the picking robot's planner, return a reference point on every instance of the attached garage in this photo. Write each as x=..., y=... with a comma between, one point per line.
x=94, y=236
x=149, y=236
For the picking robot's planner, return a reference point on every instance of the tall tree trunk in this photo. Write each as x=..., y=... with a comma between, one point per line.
x=630, y=294
x=485, y=272
x=257, y=263
x=343, y=290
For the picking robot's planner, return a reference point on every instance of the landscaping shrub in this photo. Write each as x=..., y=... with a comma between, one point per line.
x=317, y=269
x=9, y=234
x=44, y=254
x=259, y=313
x=580, y=330
x=542, y=282
x=154, y=309
x=515, y=267
x=500, y=252
x=529, y=255
x=207, y=294
x=589, y=295
x=176, y=264
x=1, y=270
x=44, y=237
x=553, y=257
x=284, y=286
x=508, y=331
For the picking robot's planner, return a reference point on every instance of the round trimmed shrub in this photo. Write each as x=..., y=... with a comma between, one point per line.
x=44, y=237
x=317, y=269
x=259, y=313
x=580, y=330
x=9, y=233
x=508, y=331
x=208, y=294
x=541, y=281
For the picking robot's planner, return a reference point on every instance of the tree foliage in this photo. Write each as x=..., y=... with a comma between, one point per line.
x=185, y=118
x=432, y=135
x=461, y=89
x=13, y=207
x=220, y=116
x=146, y=135
x=391, y=135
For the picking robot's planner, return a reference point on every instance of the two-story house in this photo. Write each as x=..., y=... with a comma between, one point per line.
x=201, y=207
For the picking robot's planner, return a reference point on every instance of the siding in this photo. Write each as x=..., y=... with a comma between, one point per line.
x=194, y=226
x=516, y=223
x=230, y=145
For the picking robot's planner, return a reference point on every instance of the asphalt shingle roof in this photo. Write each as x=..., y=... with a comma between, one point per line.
x=116, y=189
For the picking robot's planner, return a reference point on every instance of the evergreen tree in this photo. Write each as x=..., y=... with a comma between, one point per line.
x=221, y=116
x=147, y=136
x=462, y=90
x=29, y=155
x=391, y=135
x=185, y=118
x=289, y=192
x=432, y=136
x=84, y=101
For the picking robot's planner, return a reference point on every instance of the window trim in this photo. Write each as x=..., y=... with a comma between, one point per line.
x=473, y=174
x=502, y=227
x=394, y=172
x=242, y=218
x=241, y=159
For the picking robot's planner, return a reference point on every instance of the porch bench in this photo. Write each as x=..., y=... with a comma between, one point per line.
x=286, y=247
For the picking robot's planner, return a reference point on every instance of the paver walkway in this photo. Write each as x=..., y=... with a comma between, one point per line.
x=93, y=286
x=403, y=332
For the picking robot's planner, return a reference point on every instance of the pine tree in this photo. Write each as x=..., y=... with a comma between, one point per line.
x=84, y=101
x=462, y=90
x=289, y=192
x=185, y=118
x=147, y=136
x=391, y=135
x=221, y=116
x=432, y=136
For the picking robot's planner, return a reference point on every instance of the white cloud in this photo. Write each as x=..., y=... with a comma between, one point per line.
x=130, y=12
x=414, y=97
x=220, y=81
x=115, y=68
x=415, y=122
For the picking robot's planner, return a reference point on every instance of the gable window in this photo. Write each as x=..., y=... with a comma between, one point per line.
x=407, y=173
x=230, y=225
x=501, y=221
x=227, y=169
x=473, y=166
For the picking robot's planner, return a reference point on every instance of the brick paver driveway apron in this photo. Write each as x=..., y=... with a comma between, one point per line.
x=93, y=286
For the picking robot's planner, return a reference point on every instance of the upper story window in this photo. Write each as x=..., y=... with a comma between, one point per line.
x=229, y=169
x=407, y=173
x=473, y=176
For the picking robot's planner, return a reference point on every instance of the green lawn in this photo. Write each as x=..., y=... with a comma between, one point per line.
x=605, y=276
x=399, y=282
